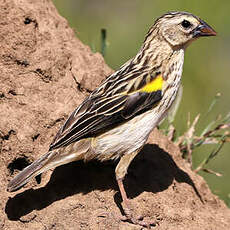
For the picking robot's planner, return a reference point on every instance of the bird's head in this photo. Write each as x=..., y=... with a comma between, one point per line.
x=179, y=29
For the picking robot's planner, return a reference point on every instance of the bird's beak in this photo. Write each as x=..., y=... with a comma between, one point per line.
x=203, y=30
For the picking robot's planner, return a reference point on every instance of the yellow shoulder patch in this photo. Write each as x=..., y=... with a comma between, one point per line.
x=154, y=85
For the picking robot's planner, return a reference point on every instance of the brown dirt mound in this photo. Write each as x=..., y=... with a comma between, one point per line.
x=45, y=73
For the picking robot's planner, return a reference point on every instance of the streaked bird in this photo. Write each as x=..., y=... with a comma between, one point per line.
x=115, y=120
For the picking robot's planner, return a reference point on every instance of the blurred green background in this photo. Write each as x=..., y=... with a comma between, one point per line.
x=207, y=61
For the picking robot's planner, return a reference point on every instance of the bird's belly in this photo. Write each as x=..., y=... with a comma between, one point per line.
x=125, y=138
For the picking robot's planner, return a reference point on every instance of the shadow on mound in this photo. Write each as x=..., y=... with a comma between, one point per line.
x=153, y=170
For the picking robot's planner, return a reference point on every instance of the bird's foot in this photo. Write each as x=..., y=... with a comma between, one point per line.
x=129, y=217
x=138, y=221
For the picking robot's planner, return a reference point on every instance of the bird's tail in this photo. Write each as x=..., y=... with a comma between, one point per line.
x=50, y=160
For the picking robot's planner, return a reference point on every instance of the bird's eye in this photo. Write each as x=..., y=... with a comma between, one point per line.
x=186, y=24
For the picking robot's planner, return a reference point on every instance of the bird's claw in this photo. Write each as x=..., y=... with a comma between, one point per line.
x=128, y=217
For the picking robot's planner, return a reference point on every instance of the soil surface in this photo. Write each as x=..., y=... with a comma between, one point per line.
x=45, y=73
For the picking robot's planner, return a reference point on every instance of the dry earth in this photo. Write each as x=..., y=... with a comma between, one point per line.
x=45, y=73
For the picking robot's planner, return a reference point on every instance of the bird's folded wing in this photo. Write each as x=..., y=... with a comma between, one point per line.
x=103, y=111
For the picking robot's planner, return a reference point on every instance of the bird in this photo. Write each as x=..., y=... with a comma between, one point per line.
x=115, y=120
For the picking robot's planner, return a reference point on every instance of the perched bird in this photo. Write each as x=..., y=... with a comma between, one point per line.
x=115, y=120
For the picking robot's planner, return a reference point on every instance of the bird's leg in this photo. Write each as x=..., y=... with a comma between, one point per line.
x=121, y=171
x=126, y=201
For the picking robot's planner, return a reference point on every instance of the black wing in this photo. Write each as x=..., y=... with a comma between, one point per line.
x=96, y=115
